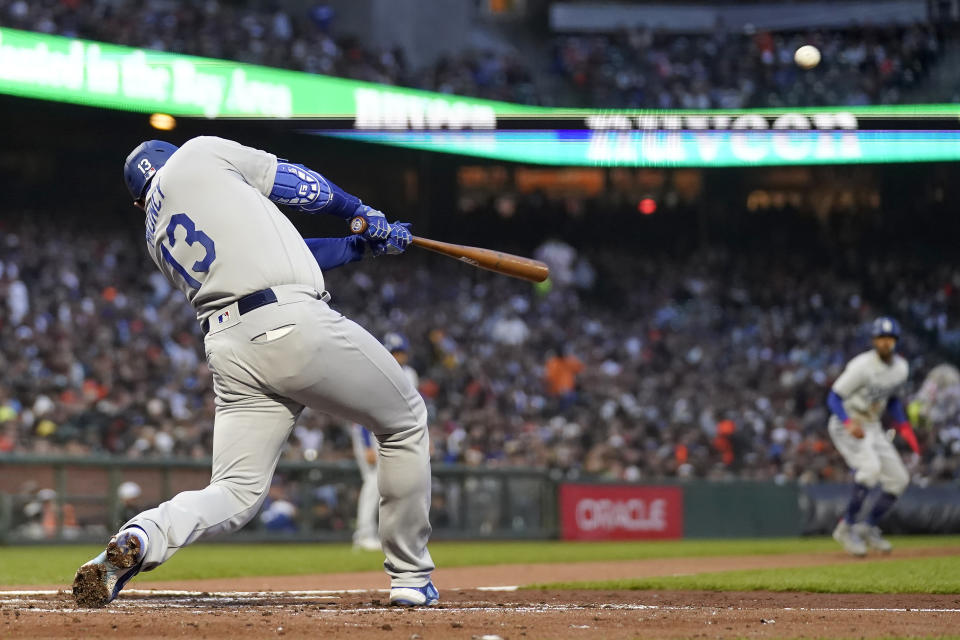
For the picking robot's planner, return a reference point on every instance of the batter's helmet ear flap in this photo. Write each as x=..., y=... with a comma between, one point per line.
x=143, y=162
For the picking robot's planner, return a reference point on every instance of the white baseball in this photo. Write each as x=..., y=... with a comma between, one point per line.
x=807, y=56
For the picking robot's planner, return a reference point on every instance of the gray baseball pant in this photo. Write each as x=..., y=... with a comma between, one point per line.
x=267, y=365
x=873, y=458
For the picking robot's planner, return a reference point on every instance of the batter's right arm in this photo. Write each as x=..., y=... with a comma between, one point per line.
x=331, y=253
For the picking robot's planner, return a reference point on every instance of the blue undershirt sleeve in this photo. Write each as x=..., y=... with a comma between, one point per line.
x=835, y=402
x=895, y=407
x=331, y=253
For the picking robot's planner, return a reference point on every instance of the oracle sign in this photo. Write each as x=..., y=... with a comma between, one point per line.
x=604, y=512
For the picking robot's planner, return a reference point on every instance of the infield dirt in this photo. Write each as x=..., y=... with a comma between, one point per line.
x=215, y=609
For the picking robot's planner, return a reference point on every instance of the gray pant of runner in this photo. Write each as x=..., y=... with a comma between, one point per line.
x=315, y=357
x=873, y=458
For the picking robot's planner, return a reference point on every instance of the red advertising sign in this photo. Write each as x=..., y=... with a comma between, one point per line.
x=604, y=512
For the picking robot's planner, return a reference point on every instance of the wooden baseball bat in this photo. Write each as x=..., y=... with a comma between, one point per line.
x=498, y=261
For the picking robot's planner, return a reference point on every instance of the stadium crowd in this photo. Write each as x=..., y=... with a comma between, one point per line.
x=638, y=67
x=644, y=68
x=710, y=365
x=266, y=34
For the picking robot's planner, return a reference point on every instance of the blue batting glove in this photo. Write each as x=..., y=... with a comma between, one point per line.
x=377, y=227
x=397, y=241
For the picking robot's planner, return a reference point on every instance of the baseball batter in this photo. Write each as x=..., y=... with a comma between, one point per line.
x=273, y=347
x=365, y=451
x=867, y=387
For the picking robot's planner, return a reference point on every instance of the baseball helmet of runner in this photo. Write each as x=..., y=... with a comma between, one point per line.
x=143, y=162
x=885, y=326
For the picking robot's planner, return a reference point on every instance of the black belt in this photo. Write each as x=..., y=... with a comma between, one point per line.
x=248, y=303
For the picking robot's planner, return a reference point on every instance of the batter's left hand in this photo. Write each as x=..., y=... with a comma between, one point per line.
x=397, y=240
x=377, y=227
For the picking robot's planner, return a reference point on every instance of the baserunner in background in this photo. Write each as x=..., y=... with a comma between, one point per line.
x=866, y=389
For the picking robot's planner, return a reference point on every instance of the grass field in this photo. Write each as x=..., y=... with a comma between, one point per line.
x=56, y=565
x=915, y=575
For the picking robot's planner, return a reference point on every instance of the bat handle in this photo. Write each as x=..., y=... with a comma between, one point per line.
x=358, y=225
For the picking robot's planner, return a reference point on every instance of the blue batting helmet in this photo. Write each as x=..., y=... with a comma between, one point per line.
x=143, y=162
x=396, y=342
x=885, y=326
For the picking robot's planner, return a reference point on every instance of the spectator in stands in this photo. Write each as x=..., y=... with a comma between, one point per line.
x=560, y=374
x=45, y=519
x=279, y=513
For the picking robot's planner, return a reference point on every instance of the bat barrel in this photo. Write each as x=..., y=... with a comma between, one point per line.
x=497, y=261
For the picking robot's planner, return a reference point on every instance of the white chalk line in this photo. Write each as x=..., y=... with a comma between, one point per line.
x=247, y=594
x=134, y=599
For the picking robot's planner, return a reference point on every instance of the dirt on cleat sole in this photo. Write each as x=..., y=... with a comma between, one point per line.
x=89, y=589
x=126, y=556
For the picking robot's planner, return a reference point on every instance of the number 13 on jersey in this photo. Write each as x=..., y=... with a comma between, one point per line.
x=193, y=236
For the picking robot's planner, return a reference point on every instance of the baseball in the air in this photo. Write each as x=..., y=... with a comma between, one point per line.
x=807, y=56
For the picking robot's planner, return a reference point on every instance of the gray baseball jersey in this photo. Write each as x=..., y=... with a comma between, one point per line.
x=212, y=231
x=867, y=383
x=214, y=234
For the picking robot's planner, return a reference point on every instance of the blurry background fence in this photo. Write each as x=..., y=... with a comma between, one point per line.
x=58, y=499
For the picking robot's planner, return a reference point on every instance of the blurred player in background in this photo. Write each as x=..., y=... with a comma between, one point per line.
x=365, y=449
x=128, y=495
x=866, y=389
x=273, y=346
x=937, y=403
